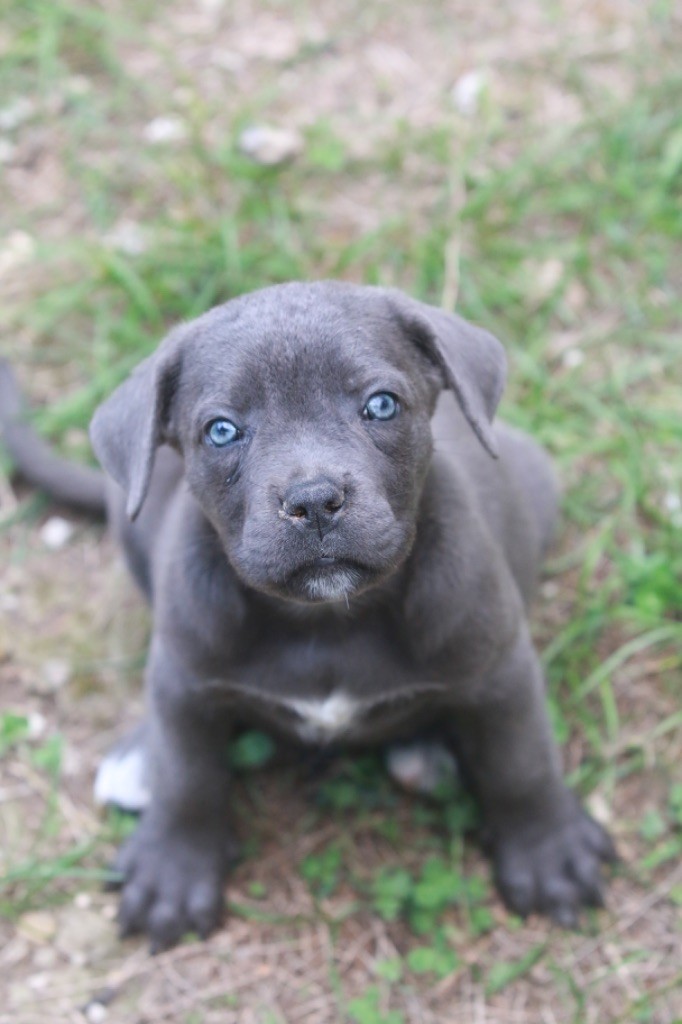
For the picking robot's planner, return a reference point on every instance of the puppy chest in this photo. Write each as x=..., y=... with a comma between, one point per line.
x=340, y=717
x=323, y=700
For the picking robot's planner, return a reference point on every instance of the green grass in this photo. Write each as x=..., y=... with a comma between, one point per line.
x=43, y=873
x=568, y=247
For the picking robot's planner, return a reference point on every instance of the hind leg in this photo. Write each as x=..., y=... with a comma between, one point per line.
x=424, y=765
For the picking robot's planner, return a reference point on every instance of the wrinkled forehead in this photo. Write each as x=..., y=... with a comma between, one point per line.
x=295, y=355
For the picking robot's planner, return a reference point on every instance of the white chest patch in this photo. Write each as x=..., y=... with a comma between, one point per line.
x=324, y=719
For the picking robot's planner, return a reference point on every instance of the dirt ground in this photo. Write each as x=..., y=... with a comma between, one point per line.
x=72, y=629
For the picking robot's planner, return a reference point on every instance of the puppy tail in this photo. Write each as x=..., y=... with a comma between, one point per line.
x=78, y=486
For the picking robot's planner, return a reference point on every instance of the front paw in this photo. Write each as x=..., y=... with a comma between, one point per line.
x=553, y=868
x=172, y=881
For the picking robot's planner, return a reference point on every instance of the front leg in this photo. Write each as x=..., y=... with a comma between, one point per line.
x=173, y=867
x=547, y=850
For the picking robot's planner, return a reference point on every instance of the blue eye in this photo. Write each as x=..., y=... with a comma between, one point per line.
x=222, y=432
x=381, y=406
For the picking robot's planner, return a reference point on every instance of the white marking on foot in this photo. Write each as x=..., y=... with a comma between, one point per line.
x=122, y=780
x=421, y=766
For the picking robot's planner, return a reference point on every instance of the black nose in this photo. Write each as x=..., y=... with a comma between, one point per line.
x=314, y=503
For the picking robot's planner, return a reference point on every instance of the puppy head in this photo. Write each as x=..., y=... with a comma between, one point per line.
x=302, y=413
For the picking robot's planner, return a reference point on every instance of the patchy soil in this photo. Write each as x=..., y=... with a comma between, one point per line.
x=72, y=630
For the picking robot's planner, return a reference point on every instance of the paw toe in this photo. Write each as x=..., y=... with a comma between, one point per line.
x=556, y=873
x=565, y=915
x=114, y=879
x=166, y=924
x=133, y=908
x=600, y=842
x=518, y=891
x=584, y=871
x=560, y=900
x=205, y=908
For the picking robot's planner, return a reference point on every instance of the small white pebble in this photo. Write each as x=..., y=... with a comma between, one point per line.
x=672, y=502
x=14, y=951
x=37, y=724
x=573, y=357
x=548, y=274
x=45, y=957
x=96, y=1012
x=128, y=237
x=211, y=6
x=82, y=900
x=467, y=90
x=39, y=982
x=165, y=129
x=7, y=151
x=228, y=60
x=56, y=532
x=16, y=249
x=9, y=602
x=78, y=85
x=16, y=113
x=270, y=146
x=55, y=673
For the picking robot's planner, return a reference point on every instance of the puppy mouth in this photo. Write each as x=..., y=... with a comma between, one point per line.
x=328, y=578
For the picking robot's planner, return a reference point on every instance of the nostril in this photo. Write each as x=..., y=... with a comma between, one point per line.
x=314, y=503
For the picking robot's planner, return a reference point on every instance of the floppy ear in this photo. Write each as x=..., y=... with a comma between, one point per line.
x=472, y=362
x=129, y=426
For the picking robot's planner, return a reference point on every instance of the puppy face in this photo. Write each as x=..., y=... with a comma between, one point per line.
x=302, y=413
x=306, y=446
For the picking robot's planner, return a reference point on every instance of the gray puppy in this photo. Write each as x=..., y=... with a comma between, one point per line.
x=338, y=546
